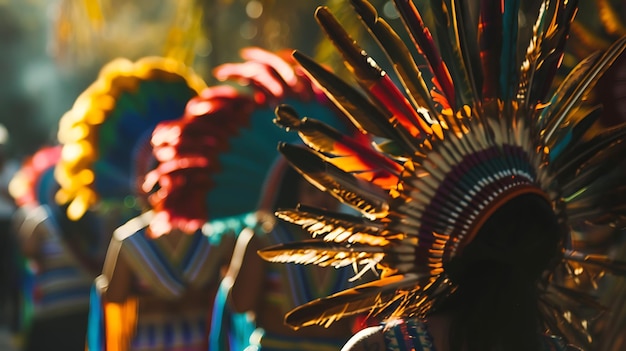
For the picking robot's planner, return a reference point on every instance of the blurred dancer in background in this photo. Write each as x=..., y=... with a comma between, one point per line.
x=267, y=291
x=106, y=153
x=65, y=256
x=162, y=258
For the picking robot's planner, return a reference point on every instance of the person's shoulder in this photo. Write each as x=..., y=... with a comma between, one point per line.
x=133, y=226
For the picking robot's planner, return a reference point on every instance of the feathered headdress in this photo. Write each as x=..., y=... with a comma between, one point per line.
x=25, y=186
x=187, y=151
x=448, y=153
x=266, y=78
x=33, y=185
x=106, y=135
x=212, y=162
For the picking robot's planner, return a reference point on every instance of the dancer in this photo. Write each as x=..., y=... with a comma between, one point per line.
x=162, y=258
x=251, y=286
x=269, y=291
x=469, y=197
x=106, y=155
x=65, y=257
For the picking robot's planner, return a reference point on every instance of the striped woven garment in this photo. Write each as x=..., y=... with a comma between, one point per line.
x=168, y=274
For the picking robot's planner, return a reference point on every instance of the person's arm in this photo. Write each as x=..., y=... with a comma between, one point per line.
x=117, y=276
x=246, y=273
x=368, y=339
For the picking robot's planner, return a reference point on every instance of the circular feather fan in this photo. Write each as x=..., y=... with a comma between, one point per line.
x=186, y=151
x=488, y=129
x=213, y=161
x=106, y=134
x=251, y=150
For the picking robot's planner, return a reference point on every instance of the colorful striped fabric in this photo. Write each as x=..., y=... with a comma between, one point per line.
x=173, y=333
x=60, y=284
x=167, y=273
x=291, y=285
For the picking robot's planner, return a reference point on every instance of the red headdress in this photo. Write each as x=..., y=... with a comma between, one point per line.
x=212, y=162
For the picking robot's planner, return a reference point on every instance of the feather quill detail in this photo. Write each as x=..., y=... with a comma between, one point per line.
x=546, y=49
x=337, y=227
x=372, y=78
x=345, y=187
x=467, y=24
x=569, y=84
x=367, y=117
x=595, y=170
x=508, y=56
x=570, y=133
x=489, y=37
x=601, y=261
x=423, y=39
x=322, y=253
x=587, y=82
x=400, y=56
x=598, y=149
x=347, y=153
x=385, y=292
x=446, y=14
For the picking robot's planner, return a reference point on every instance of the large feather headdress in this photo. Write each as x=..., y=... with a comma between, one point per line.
x=33, y=188
x=266, y=78
x=447, y=153
x=187, y=153
x=212, y=162
x=106, y=135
